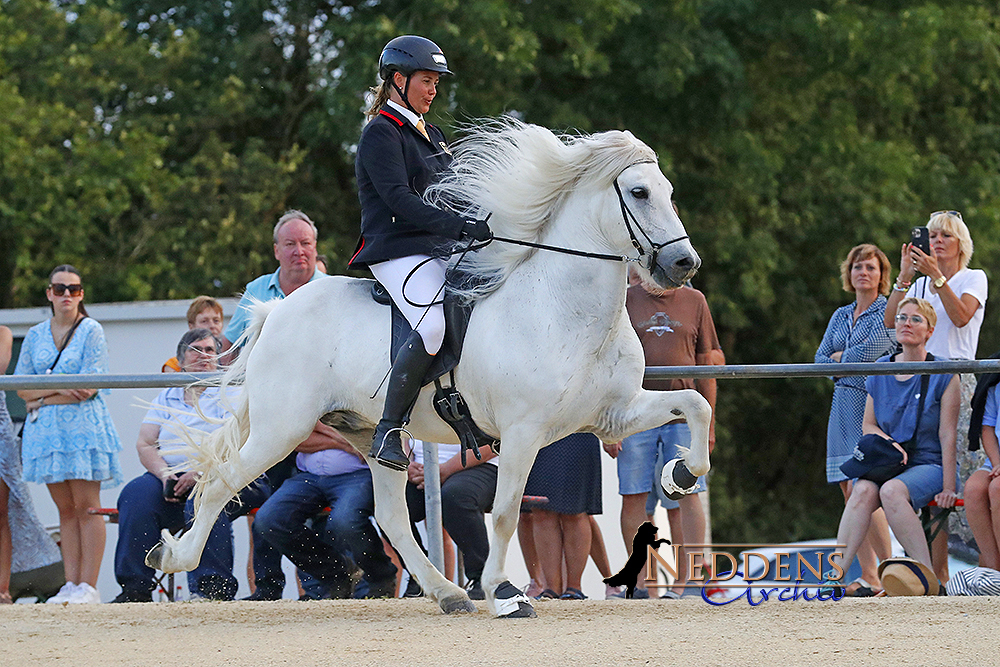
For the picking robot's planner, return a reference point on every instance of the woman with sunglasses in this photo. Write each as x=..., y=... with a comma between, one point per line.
x=958, y=296
x=928, y=471
x=69, y=441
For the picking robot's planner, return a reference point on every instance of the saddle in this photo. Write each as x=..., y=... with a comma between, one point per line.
x=448, y=402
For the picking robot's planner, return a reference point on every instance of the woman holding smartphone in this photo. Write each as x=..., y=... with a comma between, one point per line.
x=958, y=295
x=957, y=292
x=69, y=442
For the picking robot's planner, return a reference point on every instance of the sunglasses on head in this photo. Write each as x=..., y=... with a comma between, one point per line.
x=957, y=214
x=59, y=289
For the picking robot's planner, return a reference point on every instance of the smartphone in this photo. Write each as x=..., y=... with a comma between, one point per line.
x=168, y=490
x=921, y=238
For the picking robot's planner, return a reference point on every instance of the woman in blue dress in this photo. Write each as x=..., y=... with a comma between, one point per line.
x=69, y=442
x=857, y=333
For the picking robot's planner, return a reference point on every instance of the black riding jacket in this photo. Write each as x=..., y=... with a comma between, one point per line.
x=394, y=166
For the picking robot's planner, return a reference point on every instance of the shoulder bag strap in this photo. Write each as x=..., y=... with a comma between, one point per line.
x=69, y=337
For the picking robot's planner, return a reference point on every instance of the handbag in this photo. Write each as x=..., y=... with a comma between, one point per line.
x=875, y=458
x=48, y=371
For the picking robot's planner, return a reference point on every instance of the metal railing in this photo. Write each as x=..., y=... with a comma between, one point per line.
x=731, y=372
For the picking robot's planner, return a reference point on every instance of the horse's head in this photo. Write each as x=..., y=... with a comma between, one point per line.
x=648, y=216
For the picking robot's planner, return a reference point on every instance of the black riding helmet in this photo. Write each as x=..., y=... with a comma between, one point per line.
x=408, y=54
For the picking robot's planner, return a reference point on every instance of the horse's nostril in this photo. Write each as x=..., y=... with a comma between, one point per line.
x=685, y=263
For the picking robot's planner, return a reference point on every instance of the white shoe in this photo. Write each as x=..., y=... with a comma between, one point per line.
x=85, y=594
x=64, y=594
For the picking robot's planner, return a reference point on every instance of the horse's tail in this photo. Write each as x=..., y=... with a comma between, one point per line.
x=218, y=454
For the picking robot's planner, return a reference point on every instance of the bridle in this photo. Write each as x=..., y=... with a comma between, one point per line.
x=627, y=215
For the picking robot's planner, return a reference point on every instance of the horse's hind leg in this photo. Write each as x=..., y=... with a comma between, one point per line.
x=392, y=516
x=257, y=455
x=504, y=599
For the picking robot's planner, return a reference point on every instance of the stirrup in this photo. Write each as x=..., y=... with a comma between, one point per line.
x=389, y=463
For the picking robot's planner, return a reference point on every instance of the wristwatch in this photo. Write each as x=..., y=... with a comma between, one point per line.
x=939, y=282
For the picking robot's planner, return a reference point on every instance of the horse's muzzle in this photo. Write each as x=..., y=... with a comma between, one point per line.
x=672, y=267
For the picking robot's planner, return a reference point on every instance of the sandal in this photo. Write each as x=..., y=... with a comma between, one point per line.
x=547, y=594
x=573, y=594
x=861, y=589
x=5, y=598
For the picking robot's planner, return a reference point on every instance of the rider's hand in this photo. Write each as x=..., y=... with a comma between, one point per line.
x=477, y=229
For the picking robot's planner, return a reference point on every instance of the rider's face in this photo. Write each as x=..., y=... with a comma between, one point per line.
x=423, y=89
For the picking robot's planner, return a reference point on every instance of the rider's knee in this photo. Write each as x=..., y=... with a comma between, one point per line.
x=431, y=332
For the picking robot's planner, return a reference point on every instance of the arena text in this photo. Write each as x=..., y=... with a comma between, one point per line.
x=740, y=575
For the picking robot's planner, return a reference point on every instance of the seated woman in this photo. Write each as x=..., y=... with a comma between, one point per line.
x=982, y=490
x=928, y=471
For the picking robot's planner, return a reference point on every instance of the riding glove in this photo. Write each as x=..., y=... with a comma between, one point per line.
x=477, y=229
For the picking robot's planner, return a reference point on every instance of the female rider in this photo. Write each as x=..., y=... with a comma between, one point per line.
x=398, y=157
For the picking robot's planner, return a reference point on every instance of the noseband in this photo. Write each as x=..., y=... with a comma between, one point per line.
x=629, y=218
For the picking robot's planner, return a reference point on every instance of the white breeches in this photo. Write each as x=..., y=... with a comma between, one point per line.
x=425, y=286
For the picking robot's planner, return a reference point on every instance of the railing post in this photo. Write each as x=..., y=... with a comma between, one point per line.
x=432, y=506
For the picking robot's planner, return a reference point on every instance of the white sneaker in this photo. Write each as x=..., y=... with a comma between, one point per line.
x=64, y=594
x=85, y=594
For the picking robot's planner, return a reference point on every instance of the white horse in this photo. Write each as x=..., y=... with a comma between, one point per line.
x=549, y=350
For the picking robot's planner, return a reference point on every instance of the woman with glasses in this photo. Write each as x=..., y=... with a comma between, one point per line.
x=958, y=296
x=927, y=443
x=69, y=442
x=856, y=333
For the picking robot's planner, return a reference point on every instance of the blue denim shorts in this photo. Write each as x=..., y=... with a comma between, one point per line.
x=641, y=461
x=923, y=482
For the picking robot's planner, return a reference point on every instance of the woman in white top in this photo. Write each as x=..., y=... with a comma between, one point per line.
x=958, y=295
x=957, y=292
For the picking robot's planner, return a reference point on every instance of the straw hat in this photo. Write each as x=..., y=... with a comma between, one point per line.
x=905, y=576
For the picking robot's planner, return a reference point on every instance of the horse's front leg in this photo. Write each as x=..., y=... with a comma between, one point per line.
x=394, y=519
x=520, y=447
x=652, y=409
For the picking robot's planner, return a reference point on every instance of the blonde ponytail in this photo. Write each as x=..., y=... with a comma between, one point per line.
x=381, y=93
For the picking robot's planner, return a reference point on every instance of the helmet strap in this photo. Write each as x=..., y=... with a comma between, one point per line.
x=404, y=91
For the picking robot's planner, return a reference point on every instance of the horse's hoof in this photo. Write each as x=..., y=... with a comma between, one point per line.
x=511, y=602
x=523, y=610
x=458, y=605
x=676, y=480
x=155, y=556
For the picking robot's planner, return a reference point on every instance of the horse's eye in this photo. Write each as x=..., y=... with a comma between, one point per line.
x=640, y=193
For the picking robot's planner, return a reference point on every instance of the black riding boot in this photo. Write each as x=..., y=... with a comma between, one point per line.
x=404, y=386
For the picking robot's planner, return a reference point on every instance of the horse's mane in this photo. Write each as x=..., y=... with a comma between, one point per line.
x=522, y=174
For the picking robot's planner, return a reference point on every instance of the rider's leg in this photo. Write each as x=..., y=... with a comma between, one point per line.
x=414, y=285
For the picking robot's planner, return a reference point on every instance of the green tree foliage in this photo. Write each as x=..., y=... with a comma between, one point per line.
x=154, y=144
